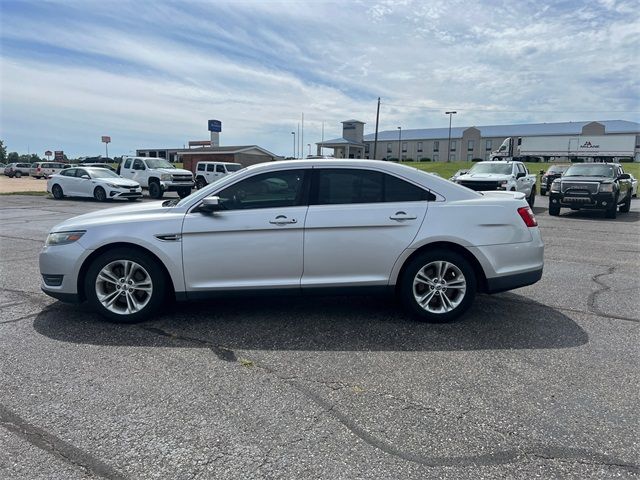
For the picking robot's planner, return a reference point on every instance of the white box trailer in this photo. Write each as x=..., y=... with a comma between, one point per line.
x=585, y=146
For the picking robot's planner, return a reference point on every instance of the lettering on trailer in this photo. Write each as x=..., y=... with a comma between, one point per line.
x=588, y=144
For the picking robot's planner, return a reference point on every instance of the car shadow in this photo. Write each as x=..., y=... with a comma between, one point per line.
x=629, y=217
x=504, y=321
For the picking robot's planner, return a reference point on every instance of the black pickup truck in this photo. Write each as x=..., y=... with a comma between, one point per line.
x=601, y=186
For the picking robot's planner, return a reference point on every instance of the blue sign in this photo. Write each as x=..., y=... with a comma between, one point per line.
x=215, y=126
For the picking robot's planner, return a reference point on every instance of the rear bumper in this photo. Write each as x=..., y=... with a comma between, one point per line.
x=509, y=282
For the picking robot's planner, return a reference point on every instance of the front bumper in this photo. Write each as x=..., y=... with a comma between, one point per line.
x=172, y=186
x=594, y=200
x=59, y=269
x=125, y=192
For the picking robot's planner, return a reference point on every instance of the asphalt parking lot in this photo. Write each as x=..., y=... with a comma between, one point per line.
x=541, y=382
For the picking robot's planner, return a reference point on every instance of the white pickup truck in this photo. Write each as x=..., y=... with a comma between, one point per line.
x=510, y=176
x=157, y=175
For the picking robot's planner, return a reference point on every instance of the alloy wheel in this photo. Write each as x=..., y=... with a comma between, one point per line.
x=439, y=287
x=124, y=287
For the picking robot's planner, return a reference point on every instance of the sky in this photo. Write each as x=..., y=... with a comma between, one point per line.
x=150, y=74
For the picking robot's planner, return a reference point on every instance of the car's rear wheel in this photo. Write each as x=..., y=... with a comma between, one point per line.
x=125, y=286
x=99, y=194
x=532, y=198
x=18, y=174
x=155, y=190
x=57, y=192
x=438, y=286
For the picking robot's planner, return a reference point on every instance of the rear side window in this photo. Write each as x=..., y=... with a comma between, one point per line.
x=127, y=163
x=211, y=168
x=346, y=186
x=201, y=167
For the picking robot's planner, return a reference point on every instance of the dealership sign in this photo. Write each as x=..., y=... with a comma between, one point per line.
x=59, y=155
x=215, y=126
x=106, y=139
x=48, y=153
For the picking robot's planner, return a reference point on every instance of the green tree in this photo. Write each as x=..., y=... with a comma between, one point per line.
x=13, y=157
x=3, y=152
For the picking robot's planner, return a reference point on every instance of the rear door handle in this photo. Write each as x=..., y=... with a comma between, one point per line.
x=282, y=220
x=402, y=216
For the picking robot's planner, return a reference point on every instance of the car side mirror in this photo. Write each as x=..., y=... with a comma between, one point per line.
x=86, y=177
x=520, y=174
x=624, y=176
x=210, y=204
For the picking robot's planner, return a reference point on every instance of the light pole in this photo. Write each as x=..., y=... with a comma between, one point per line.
x=400, y=144
x=449, y=142
x=294, y=144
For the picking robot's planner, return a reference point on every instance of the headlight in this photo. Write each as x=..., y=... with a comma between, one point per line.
x=165, y=177
x=606, y=187
x=555, y=186
x=111, y=185
x=63, y=238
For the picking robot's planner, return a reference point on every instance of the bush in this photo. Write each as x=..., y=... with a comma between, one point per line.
x=425, y=159
x=408, y=159
x=392, y=159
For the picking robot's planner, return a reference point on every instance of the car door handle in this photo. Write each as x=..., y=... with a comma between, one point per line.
x=282, y=220
x=402, y=216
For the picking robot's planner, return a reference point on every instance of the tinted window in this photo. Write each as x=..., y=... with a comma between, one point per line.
x=70, y=172
x=127, y=163
x=396, y=190
x=137, y=163
x=80, y=172
x=220, y=168
x=211, y=168
x=233, y=168
x=267, y=190
x=344, y=186
x=201, y=167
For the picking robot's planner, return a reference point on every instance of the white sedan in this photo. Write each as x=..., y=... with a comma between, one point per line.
x=99, y=183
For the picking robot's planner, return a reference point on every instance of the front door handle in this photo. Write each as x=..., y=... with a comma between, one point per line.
x=402, y=216
x=282, y=220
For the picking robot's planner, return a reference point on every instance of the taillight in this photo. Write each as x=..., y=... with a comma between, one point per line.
x=528, y=217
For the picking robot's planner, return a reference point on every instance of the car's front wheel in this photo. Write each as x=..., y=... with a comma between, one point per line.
x=99, y=194
x=438, y=286
x=184, y=192
x=125, y=286
x=155, y=190
x=57, y=192
x=626, y=206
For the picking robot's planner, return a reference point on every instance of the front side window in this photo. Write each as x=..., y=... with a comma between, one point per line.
x=219, y=168
x=267, y=190
x=127, y=163
x=201, y=167
x=138, y=164
x=350, y=186
x=80, y=172
x=69, y=172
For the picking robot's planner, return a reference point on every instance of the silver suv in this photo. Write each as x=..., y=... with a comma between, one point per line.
x=17, y=170
x=46, y=169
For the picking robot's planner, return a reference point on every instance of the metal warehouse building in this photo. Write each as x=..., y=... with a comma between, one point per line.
x=467, y=143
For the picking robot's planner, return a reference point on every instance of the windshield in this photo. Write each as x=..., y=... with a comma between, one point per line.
x=590, y=170
x=159, y=163
x=209, y=188
x=499, y=168
x=103, y=173
x=233, y=168
x=557, y=169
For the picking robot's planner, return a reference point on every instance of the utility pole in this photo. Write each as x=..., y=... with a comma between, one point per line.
x=294, y=144
x=375, y=141
x=302, y=136
x=298, y=144
x=321, y=145
x=400, y=144
x=309, y=146
x=449, y=142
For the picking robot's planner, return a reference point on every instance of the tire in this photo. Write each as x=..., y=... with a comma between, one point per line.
x=184, y=192
x=200, y=183
x=106, y=280
x=57, y=192
x=155, y=190
x=18, y=174
x=99, y=194
x=611, y=212
x=543, y=193
x=532, y=198
x=444, y=304
x=554, y=210
x=626, y=206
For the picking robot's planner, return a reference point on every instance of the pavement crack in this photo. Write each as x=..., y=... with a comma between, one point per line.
x=56, y=446
x=592, y=303
x=221, y=352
